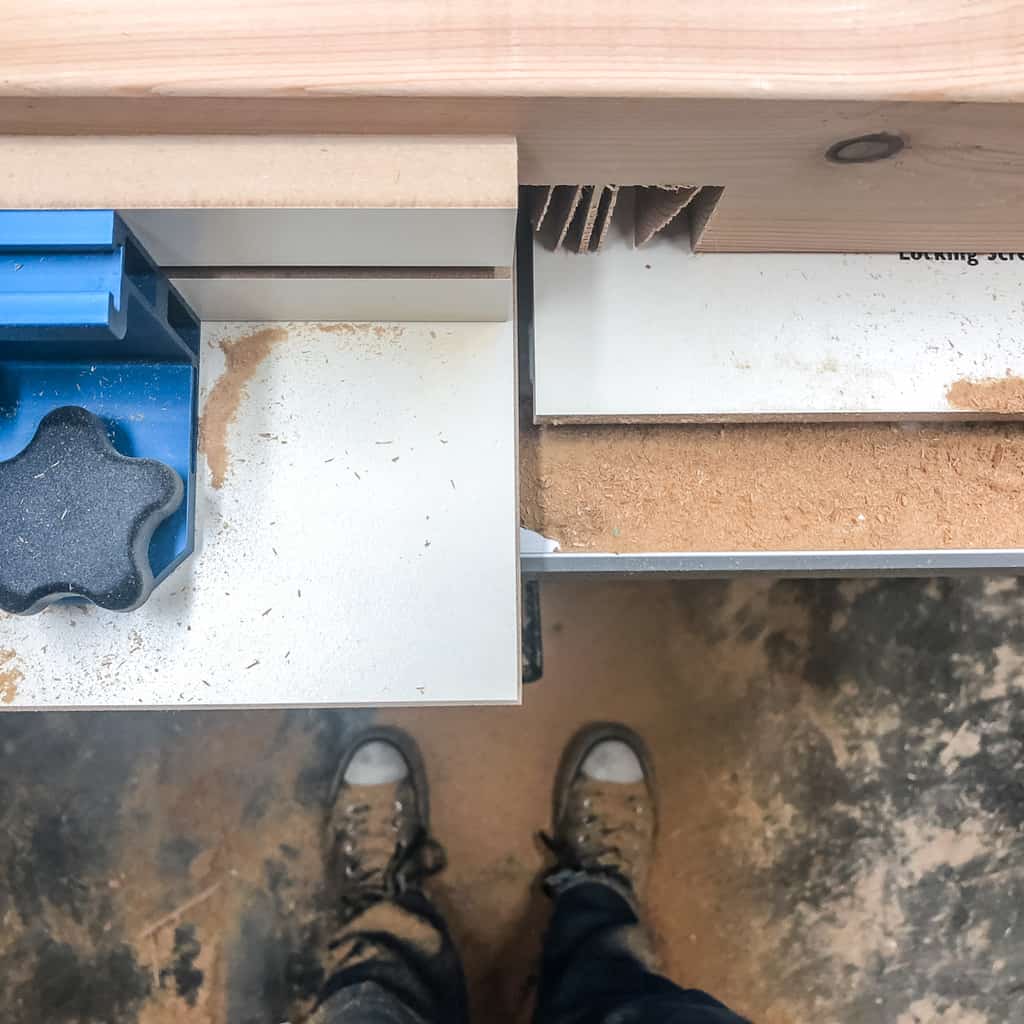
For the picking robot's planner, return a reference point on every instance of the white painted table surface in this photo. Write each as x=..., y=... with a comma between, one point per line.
x=661, y=332
x=386, y=575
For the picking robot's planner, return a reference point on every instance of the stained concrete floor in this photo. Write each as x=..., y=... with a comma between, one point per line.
x=842, y=806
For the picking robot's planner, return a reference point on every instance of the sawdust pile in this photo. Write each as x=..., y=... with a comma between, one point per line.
x=1003, y=395
x=243, y=357
x=774, y=487
x=10, y=676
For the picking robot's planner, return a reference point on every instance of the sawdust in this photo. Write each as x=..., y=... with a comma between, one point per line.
x=202, y=791
x=862, y=921
x=774, y=487
x=935, y=1010
x=1007, y=674
x=680, y=674
x=964, y=743
x=10, y=676
x=816, y=852
x=243, y=357
x=928, y=847
x=798, y=836
x=1003, y=395
x=372, y=339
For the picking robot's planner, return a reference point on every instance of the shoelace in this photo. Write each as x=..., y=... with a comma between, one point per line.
x=567, y=860
x=409, y=866
x=597, y=851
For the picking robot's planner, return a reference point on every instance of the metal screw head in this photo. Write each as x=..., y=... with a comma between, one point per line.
x=865, y=149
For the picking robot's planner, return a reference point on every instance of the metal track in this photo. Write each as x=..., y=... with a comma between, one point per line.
x=724, y=564
x=719, y=564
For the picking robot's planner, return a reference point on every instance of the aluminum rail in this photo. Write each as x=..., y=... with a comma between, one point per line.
x=810, y=564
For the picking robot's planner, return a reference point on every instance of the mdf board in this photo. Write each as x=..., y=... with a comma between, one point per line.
x=306, y=201
x=356, y=535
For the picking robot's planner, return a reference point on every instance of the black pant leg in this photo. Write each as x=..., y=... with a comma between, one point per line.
x=593, y=969
x=395, y=964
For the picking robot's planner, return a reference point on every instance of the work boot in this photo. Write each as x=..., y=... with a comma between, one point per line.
x=377, y=854
x=604, y=808
x=377, y=841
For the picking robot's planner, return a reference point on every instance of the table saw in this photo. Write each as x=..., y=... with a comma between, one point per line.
x=288, y=359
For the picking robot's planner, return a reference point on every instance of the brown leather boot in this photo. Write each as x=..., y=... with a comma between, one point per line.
x=377, y=836
x=604, y=808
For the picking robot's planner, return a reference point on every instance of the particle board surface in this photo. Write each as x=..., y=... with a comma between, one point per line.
x=294, y=171
x=661, y=333
x=357, y=536
x=774, y=487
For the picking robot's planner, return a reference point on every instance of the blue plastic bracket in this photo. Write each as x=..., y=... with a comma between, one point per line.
x=87, y=319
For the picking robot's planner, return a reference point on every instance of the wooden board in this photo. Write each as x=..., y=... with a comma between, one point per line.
x=303, y=201
x=659, y=333
x=923, y=50
x=739, y=95
x=357, y=535
x=955, y=186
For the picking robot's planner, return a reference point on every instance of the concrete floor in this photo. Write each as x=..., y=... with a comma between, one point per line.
x=841, y=793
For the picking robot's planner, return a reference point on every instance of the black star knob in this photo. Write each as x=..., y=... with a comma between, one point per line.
x=76, y=517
